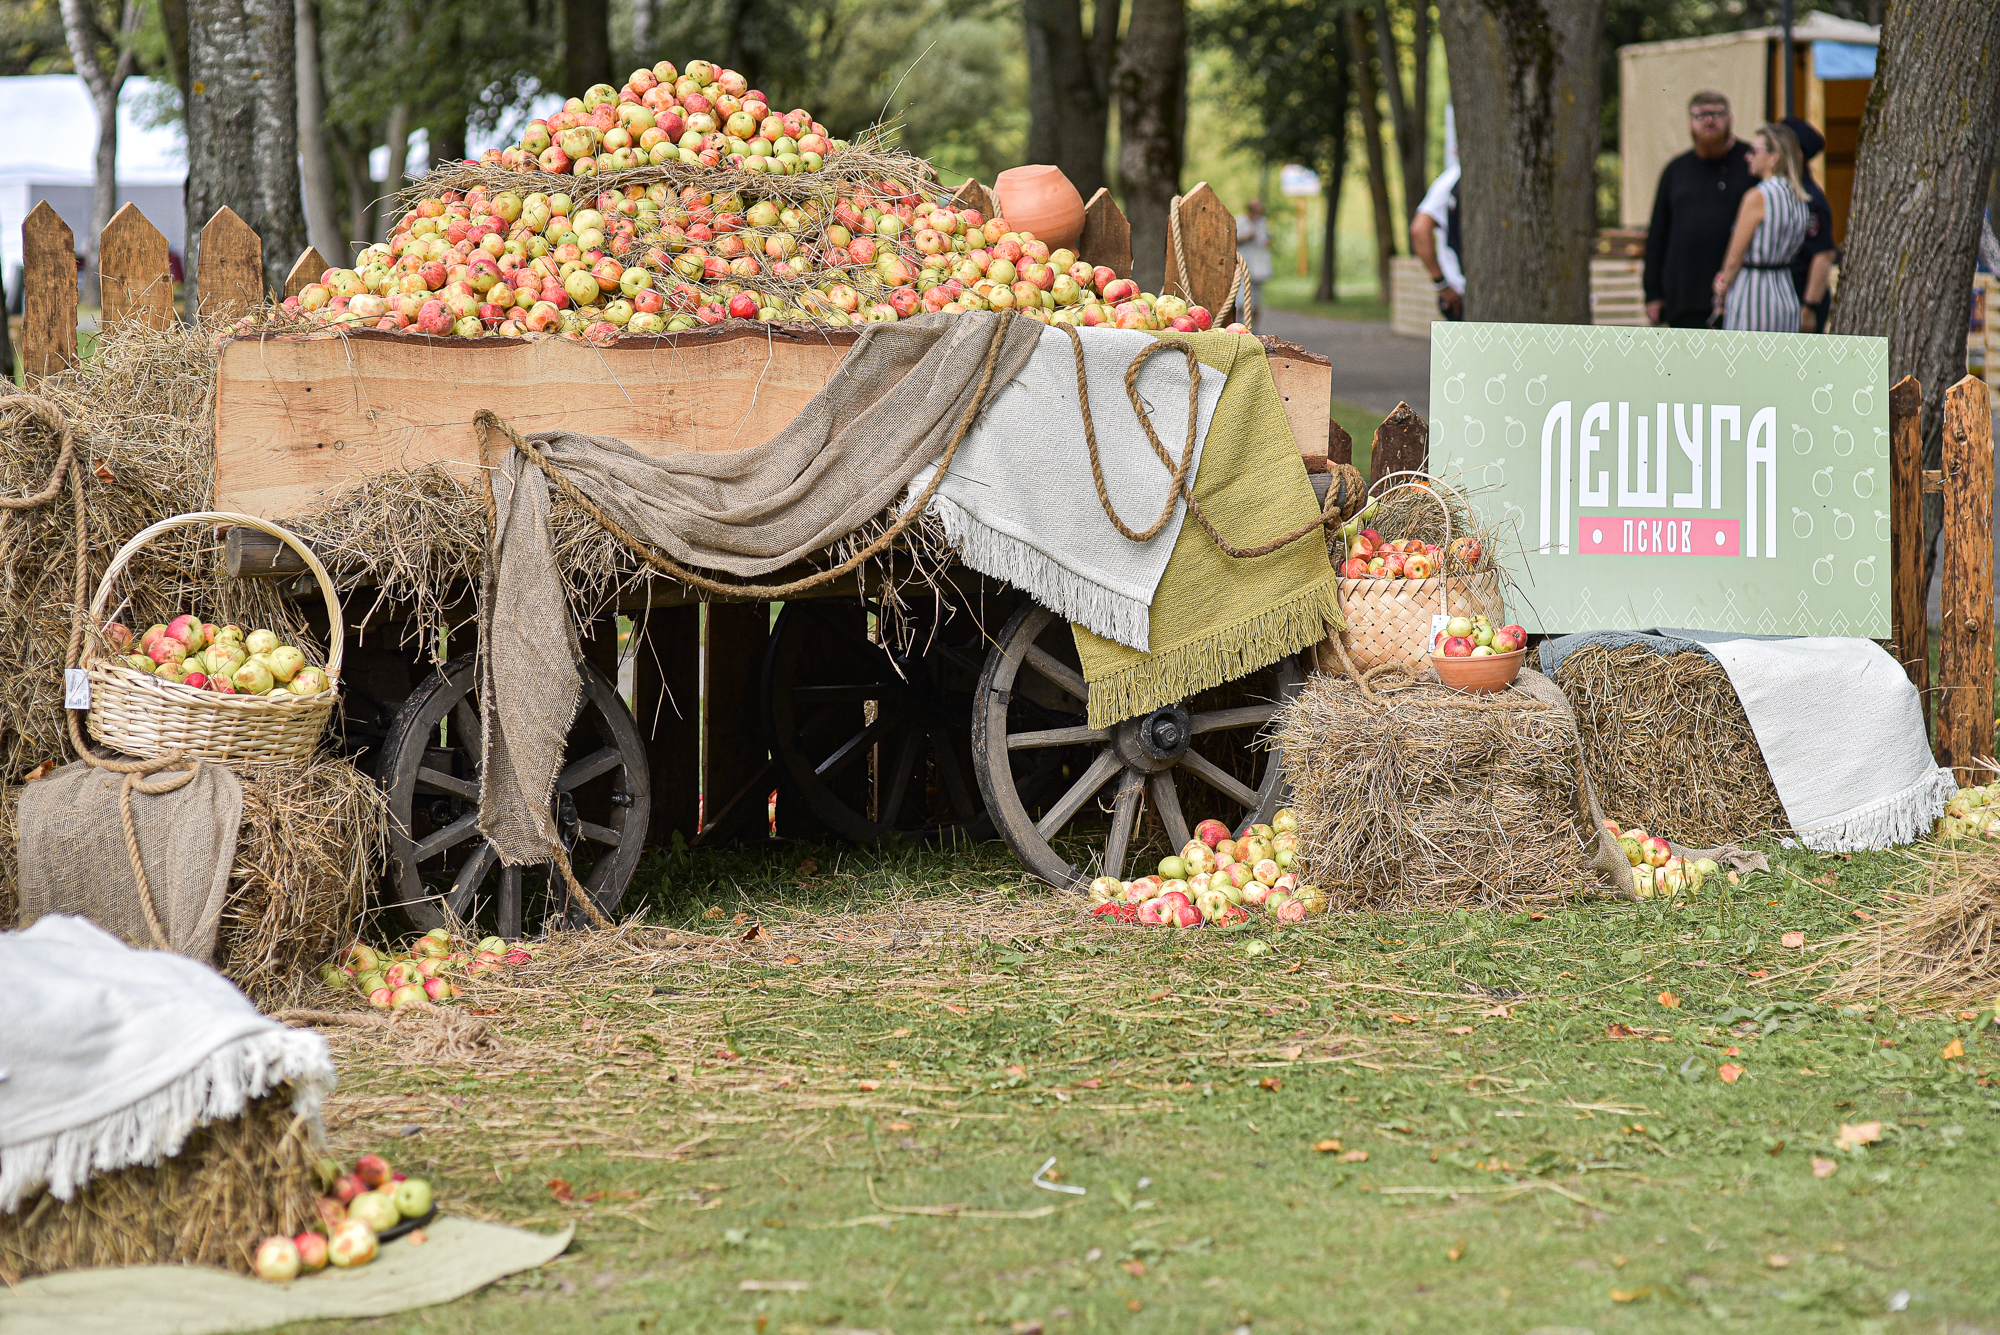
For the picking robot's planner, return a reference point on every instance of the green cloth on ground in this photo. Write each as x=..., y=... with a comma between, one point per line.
x=1216, y=618
x=461, y=1256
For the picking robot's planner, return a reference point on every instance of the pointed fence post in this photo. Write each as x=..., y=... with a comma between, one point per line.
x=1107, y=237
x=48, y=297
x=1965, y=647
x=230, y=268
x=1907, y=618
x=973, y=195
x=309, y=266
x=134, y=272
x=1202, y=265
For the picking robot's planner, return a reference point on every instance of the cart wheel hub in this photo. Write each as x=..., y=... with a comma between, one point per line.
x=1156, y=741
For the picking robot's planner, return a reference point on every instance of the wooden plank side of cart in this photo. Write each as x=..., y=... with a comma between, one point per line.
x=302, y=416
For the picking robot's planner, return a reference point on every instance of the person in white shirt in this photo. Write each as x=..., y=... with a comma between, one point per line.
x=1434, y=234
x=1253, y=243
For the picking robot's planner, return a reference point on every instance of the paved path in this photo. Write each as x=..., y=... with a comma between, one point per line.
x=1372, y=367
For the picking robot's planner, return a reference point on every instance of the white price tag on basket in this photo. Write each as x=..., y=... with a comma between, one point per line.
x=1438, y=622
x=76, y=688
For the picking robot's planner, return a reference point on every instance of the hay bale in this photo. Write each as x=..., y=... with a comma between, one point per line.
x=1415, y=802
x=311, y=845
x=233, y=1184
x=1667, y=746
x=1934, y=947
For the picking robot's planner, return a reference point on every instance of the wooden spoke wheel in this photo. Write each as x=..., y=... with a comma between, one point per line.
x=442, y=871
x=873, y=740
x=1048, y=776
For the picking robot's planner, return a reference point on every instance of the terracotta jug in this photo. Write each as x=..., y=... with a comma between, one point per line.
x=1041, y=200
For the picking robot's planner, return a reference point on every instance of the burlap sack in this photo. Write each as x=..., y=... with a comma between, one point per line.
x=892, y=407
x=73, y=857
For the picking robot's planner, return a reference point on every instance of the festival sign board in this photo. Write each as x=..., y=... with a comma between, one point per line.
x=1688, y=478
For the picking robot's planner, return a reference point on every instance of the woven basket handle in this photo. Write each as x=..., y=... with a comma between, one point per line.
x=1424, y=482
x=336, y=623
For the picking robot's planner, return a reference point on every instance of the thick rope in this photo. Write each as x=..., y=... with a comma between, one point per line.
x=136, y=773
x=1239, y=281
x=560, y=856
x=486, y=418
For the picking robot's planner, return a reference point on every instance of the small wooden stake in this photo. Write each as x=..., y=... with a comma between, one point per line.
x=1107, y=237
x=229, y=267
x=309, y=266
x=48, y=297
x=1208, y=240
x=1907, y=621
x=973, y=195
x=134, y=273
x=1965, y=649
x=1402, y=444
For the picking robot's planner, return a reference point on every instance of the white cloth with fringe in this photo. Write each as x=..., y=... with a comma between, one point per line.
x=1842, y=731
x=111, y=1056
x=1019, y=503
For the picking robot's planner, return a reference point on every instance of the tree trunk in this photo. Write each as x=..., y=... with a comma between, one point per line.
x=360, y=198
x=1371, y=134
x=243, y=127
x=642, y=31
x=174, y=19
x=1069, y=105
x=315, y=165
x=1409, y=115
x=1151, y=82
x=1524, y=82
x=1333, y=167
x=447, y=134
x=81, y=30
x=586, y=45
x=398, y=142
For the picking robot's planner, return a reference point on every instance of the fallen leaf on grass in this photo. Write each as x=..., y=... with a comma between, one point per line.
x=1328, y=1146
x=1460, y=1029
x=1502, y=1012
x=1620, y=1031
x=1732, y=1052
x=1952, y=1051
x=773, y=1285
x=1669, y=1000
x=1017, y=1070
x=1291, y=1054
x=1630, y=1295
x=1092, y=1083
x=1402, y=1019
x=1792, y=940
x=1730, y=1073
x=1856, y=1134
x=793, y=959
x=1456, y=1250
x=899, y=1126
x=1134, y=1267
x=957, y=1010
x=1777, y=1260
x=1158, y=996
x=1133, y=1304
x=1824, y=1167
x=562, y=1190
x=755, y=931
x=1355, y=1156
x=869, y=1085
x=899, y=1033
x=1270, y=1084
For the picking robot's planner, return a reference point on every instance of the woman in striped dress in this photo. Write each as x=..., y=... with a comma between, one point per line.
x=1754, y=289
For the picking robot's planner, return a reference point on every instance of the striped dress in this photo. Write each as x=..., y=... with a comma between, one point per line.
x=1762, y=297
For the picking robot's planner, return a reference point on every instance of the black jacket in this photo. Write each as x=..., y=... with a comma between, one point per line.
x=1694, y=211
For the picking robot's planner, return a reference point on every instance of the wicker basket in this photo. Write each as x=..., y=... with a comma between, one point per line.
x=1389, y=620
x=138, y=714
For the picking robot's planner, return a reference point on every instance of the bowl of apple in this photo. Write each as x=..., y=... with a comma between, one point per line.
x=1475, y=656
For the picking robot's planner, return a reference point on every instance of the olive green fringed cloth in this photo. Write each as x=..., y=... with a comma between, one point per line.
x=1216, y=618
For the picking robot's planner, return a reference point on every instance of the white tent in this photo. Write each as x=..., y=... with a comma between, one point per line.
x=49, y=153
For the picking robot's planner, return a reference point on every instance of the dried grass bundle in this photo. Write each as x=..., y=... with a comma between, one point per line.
x=1937, y=947
x=232, y=1185
x=1668, y=746
x=1416, y=803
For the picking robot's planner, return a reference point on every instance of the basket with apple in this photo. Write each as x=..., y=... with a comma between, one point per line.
x=1472, y=654
x=1392, y=588
x=252, y=697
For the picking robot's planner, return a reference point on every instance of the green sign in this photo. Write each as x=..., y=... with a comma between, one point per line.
x=1673, y=477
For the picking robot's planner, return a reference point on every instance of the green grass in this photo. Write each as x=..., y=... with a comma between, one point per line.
x=1289, y=292
x=1359, y=423
x=1606, y=1183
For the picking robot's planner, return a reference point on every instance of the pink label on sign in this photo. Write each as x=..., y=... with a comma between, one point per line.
x=1629, y=535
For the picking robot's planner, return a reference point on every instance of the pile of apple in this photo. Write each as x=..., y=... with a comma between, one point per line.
x=191, y=652
x=394, y=979
x=701, y=116
x=358, y=1208
x=1216, y=880
x=1656, y=869
x=1477, y=637
x=1369, y=557
x=1971, y=813
x=653, y=260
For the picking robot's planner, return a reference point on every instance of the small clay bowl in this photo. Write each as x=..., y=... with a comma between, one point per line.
x=1483, y=675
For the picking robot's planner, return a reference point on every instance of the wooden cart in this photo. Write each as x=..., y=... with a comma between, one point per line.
x=979, y=728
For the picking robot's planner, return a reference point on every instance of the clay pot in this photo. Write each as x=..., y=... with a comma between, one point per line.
x=1041, y=200
x=1479, y=676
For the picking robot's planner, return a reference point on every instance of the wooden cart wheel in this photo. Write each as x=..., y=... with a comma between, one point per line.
x=1042, y=768
x=837, y=705
x=441, y=871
